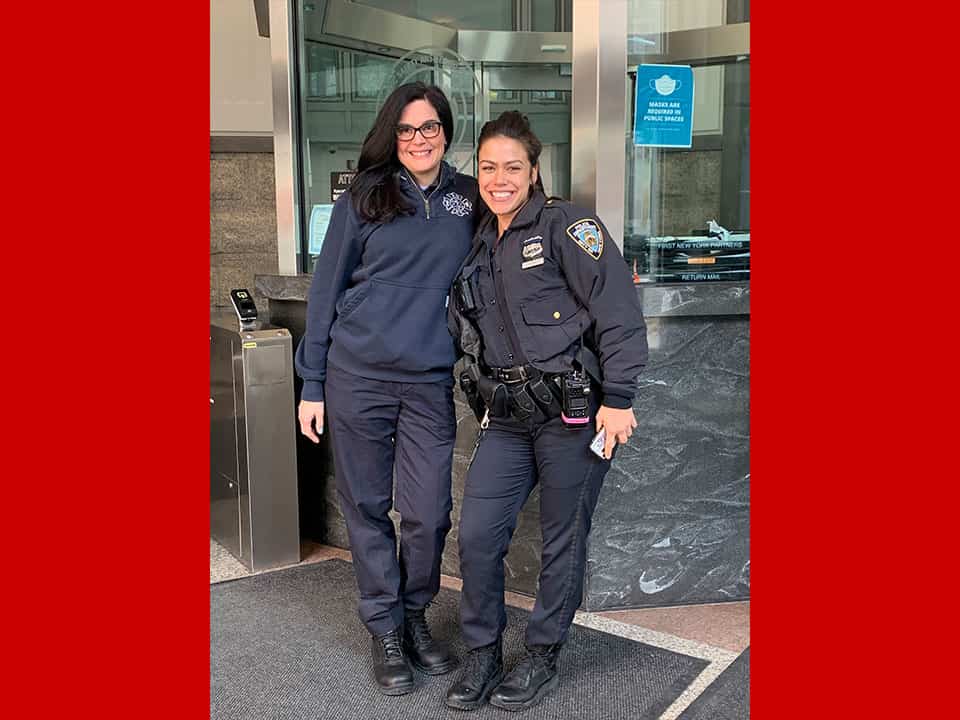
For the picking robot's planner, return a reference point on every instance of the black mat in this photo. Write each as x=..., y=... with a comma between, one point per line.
x=289, y=645
x=727, y=697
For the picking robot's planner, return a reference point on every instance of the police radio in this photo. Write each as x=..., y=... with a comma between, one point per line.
x=574, y=396
x=574, y=389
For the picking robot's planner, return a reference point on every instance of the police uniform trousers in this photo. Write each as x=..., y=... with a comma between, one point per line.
x=376, y=427
x=512, y=457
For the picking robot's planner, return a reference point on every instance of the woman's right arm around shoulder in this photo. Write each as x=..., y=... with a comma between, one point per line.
x=339, y=257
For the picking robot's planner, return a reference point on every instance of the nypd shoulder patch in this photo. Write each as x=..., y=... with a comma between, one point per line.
x=587, y=234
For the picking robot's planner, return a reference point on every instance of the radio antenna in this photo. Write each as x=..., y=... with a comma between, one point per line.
x=580, y=354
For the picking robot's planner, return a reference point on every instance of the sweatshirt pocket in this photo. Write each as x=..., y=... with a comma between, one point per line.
x=399, y=326
x=351, y=299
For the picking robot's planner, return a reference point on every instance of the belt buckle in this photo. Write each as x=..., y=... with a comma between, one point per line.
x=516, y=374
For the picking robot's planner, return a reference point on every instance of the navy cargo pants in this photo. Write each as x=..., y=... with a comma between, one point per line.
x=377, y=426
x=511, y=458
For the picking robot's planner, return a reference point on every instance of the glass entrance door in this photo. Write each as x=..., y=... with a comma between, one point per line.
x=353, y=54
x=542, y=93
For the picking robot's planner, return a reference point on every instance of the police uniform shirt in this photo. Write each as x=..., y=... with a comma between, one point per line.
x=554, y=274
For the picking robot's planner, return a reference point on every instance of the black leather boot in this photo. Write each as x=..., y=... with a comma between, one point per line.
x=390, y=666
x=482, y=670
x=530, y=680
x=426, y=654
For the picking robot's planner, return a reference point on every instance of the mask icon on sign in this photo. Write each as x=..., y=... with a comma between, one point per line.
x=665, y=84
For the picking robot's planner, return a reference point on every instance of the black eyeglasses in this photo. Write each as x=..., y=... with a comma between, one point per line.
x=429, y=129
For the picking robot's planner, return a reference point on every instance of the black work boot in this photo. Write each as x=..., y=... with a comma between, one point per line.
x=390, y=667
x=530, y=680
x=482, y=670
x=426, y=654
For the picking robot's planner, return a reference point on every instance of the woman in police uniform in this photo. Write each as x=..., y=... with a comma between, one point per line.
x=553, y=303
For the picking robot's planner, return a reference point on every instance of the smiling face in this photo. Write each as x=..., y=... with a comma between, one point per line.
x=505, y=176
x=420, y=155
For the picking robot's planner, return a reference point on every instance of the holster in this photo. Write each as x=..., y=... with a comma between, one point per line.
x=543, y=393
x=470, y=384
x=494, y=395
x=530, y=396
x=523, y=405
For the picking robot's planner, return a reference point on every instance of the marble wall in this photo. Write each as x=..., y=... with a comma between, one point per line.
x=672, y=522
x=243, y=224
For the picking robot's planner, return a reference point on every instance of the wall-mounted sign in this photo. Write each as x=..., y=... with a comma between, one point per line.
x=319, y=219
x=339, y=182
x=663, y=115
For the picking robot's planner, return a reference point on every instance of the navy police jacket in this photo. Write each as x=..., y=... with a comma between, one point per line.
x=377, y=303
x=556, y=274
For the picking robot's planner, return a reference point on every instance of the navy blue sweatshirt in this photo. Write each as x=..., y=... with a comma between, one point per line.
x=378, y=301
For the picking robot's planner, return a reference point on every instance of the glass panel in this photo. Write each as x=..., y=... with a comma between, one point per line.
x=371, y=74
x=333, y=129
x=341, y=92
x=687, y=204
x=547, y=109
x=323, y=77
x=333, y=126
x=551, y=15
x=487, y=15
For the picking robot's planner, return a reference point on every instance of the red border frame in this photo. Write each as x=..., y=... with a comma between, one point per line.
x=106, y=272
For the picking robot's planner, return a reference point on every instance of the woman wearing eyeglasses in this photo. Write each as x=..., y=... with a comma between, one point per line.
x=377, y=359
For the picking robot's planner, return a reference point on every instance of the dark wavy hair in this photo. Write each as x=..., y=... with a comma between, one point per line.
x=375, y=191
x=514, y=125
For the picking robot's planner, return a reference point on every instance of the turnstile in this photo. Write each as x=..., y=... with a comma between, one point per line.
x=253, y=457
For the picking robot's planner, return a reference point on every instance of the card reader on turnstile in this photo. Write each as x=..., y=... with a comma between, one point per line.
x=245, y=306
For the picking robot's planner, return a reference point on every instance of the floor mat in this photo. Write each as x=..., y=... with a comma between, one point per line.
x=727, y=697
x=288, y=645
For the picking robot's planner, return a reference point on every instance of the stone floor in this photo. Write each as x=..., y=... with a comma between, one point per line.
x=714, y=632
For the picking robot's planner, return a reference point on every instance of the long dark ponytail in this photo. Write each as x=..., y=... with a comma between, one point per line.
x=374, y=191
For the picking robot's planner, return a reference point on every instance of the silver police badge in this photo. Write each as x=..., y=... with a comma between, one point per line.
x=532, y=250
x=457, y=204
x=587, y=234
